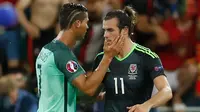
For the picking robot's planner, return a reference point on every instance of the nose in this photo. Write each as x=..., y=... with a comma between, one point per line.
x=106, y=34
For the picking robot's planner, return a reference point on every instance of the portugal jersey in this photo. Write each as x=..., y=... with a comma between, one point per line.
x=56, y=67
x=129, y=80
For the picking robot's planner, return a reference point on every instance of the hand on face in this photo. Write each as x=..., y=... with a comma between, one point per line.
x=112, y=48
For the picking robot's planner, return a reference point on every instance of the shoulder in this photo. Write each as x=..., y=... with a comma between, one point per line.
x=57, y=47
x=59, y=51
x=145, y=52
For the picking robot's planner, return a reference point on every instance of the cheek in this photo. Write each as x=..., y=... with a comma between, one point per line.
x=114, y=35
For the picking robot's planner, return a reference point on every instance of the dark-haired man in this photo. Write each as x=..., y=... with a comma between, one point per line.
x=133, y=72
x=58, y=72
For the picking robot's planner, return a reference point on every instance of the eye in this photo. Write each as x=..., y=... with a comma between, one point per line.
x=110, y=30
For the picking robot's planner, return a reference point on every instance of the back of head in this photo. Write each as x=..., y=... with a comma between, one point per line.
x=126, y=18
x=69, y=13
x=132, y=14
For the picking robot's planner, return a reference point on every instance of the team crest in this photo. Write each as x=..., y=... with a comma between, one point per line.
x=132, y=69
x=71, y=66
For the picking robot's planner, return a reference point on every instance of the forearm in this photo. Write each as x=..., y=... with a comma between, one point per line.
x=95, y=79
x=22, y=18
x=182, y=89
x=160, y=98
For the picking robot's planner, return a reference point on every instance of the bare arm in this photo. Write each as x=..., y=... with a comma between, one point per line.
x=163, y=95
x=186, y=74
x=21, y=5
x=164, y=92
x=90, y=84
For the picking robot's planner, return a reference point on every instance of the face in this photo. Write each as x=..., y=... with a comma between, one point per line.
x=95, y=9
x=111, y=30
x=19, y=79
x=82, y=27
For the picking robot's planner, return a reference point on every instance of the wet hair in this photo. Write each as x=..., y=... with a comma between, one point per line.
x=69, y=13
x=126, y=18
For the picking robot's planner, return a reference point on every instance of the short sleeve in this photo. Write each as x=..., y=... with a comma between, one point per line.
x=68, y=64
x=97, y=60
x=154, y=67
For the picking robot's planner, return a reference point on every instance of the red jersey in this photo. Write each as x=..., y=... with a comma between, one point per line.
x=181, y=46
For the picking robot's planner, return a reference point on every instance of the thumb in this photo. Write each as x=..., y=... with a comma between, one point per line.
x=128, y=107
x=131, y=109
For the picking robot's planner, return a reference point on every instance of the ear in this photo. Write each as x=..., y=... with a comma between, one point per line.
x=77, y=23
x=125, y=31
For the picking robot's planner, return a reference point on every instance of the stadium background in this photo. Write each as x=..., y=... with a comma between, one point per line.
x=171, y=28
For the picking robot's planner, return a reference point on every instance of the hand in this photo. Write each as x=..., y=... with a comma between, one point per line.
x=112, y=49
x=139, y=108
x=33, y=31
x=101, y=96
x=161, y=35
x=179, y=107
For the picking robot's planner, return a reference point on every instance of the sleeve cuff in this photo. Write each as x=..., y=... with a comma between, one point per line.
x=75, y=75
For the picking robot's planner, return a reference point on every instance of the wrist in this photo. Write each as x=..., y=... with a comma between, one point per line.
x=148, y=104
x=107, y=58
x=177, y=98
x=27, y=25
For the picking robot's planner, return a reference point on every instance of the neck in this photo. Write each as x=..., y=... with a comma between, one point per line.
x=128, y=45
x=67, y=37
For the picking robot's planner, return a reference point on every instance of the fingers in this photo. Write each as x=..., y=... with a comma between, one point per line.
x=115, y=41
x=121, y=40
x=106, y=44
x=120, y=43
x=128, y=108
x=131, y=109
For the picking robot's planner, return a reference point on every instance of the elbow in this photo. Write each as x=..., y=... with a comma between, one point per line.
x=90, y=93
x=168, y=92
x=87, y=91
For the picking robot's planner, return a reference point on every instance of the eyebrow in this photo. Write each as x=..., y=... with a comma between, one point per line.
x=109, y=29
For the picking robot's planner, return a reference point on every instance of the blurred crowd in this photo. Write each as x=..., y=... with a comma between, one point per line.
x=171, y=28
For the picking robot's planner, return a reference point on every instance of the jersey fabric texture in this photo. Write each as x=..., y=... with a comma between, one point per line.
x=129, y=80
x=56, y=67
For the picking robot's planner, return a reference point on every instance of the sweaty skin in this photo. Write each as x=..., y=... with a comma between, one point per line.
x=43, y=12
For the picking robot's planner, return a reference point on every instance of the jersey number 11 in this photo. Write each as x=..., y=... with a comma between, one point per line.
x=116, y=85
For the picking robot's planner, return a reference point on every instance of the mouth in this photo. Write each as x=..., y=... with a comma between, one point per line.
x=108, y=41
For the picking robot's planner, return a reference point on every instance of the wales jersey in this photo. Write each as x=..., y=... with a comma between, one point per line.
x=56, y=67
x=129, y=80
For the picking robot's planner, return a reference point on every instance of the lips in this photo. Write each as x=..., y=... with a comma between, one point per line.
x=108, y=41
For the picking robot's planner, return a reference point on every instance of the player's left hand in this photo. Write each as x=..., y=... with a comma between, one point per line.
x=139, y=108
x=101, y=95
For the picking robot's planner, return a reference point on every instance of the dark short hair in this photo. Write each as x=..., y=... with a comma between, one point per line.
x=69, y=13
x=126, y=18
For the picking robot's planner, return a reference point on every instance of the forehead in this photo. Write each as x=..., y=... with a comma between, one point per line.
x=110, y=23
